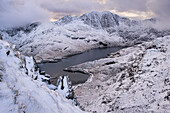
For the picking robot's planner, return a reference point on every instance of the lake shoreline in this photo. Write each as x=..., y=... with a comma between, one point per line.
x=62, y=69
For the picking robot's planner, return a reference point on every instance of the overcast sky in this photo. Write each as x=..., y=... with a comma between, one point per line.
x=19, y=12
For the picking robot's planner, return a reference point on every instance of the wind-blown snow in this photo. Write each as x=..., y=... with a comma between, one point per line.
x=21, y=93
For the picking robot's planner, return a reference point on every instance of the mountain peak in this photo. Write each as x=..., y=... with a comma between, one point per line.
x=99, y=20
x=105, y=19
x=66, y=19
x=99, y=13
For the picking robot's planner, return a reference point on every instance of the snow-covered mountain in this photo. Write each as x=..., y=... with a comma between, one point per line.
x=135, y=79
x=22, y=89
x=99, y=20
x=71, y=35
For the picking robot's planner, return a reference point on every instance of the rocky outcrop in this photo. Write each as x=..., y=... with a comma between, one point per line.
x=64, y=86
x=0, y=36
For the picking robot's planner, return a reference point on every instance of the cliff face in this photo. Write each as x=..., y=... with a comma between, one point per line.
x=101, y=20
x=135, y=79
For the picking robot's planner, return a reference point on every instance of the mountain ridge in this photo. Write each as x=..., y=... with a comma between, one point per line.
x=42, y=39
x=96, y=19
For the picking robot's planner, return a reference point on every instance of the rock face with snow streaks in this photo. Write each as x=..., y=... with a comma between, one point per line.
x=64, y=86
x=101, y=20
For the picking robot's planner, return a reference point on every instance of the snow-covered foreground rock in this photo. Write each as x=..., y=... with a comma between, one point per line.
x=133, y=80
x=21, y=88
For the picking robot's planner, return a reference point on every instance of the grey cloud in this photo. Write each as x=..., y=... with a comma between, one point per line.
x=75, y=7
x=161, y=9
x=126, y=5
x=19, y=12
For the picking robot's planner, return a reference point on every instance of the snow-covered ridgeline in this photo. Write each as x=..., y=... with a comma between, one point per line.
x=20, y=92
x=71, y=35
x=103, y=20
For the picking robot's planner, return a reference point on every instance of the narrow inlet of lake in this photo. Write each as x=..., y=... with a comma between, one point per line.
x=57, y=69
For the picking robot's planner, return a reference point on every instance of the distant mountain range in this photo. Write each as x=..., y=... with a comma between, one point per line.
x=102, y=20
x=94, y=19
x=89, y=29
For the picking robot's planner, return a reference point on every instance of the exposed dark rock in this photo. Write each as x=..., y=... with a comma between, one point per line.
x=42, y=72
x=36, y=78
x=65, y=48
x=1, y=37
x=82, y=38
x=0, y=77
x=8, y=52
x=108, y=63
x=35, y=65
x=167, y=81
x=74, y=38
x=103, y=44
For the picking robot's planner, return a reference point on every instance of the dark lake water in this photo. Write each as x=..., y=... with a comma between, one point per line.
x=57, y=69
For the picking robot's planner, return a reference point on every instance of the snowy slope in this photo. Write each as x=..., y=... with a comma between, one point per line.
x=49, y=41
x=20, y=92
x=132, y=80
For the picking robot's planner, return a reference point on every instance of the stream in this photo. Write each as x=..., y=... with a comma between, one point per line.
x=57, y=69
